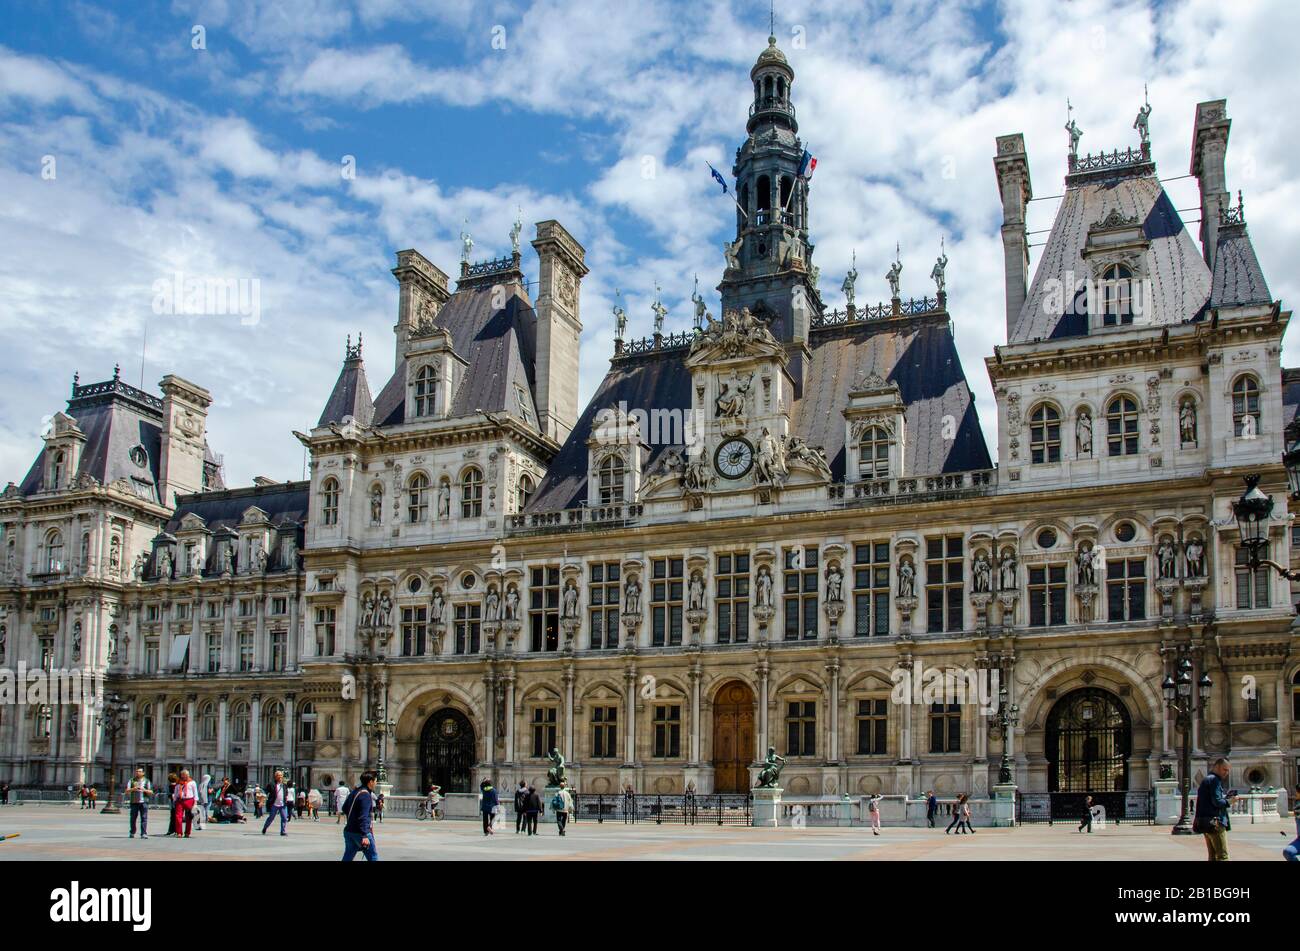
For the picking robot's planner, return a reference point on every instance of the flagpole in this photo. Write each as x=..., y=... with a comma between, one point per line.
x=729, y=193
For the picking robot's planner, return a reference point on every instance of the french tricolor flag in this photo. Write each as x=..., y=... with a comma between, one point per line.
x=807, y=165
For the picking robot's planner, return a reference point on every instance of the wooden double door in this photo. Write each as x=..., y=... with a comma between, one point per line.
x=733, y=737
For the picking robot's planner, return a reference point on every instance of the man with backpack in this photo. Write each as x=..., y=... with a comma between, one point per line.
x=532, y=809
x=521, y=801
x=358, y=835
x=562, y=805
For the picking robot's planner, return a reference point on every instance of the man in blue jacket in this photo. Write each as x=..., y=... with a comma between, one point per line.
x=1292, y=851
x=1211, y=819
x=358, y=836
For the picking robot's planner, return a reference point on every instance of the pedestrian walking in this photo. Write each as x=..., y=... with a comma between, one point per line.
x=205, y=792
x=1087, y=815
x=1292, y=851
x=873, y=808
x=259, y=802
x=138, y=792
x=379, y=807
x=184, y=796
x=532, y=809
x=172, y=827
x=339, y=798
x=359, y=834
x=965, y=813
x=521, y=801
x=488, y=803
x=277, y=803
x=1212, y=804
x=4, y=794
x=313, y=805
x=290, y=801
x=956, y=817
x=562, y=805
x=931, y=808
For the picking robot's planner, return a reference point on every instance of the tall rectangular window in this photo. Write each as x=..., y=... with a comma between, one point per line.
x=151, y=655
x=873, y=727
x=732, y=585
x=544, y=608
x=214, y=652
x=279, y=650
x=544, y=721
x=668, y=731
x=468, y=625
x=604, y=732
x=666, y=602
x=801, y=728
x=246, y=656
x=800, y=588
x=871, y=589
x=944, y=583
x=325, y=628
x=1046, y=595
x=603, y=597
x=945, y=728
x=1252, y=586
x=415, y=629
x=1126, y=589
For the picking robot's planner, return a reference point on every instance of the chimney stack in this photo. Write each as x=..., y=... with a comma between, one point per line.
x=1209, y=156
x=562, y=269
x=1012, y=167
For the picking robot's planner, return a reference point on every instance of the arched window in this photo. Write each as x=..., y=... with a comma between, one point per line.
x=768, y=87
x=208, y=722
x=1122, y=426
x=54, y=551
x=526, y=489
x=1116, y=296
x=764, y=197
x=873, y=453
x=146, y=721
x=610, y=479
x=58, y=469
x=1245, y=407
x=41, y=722
x=471, y=493
x=417, y=498
x=273, y=722
x=780, y=88
x=425, y=390
x=1044, y=434
x=329, y=501
x=1295, y=697
x=240, y=718
x=177, y=721
x=307, y=722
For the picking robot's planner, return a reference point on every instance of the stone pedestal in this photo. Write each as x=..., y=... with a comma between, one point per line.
x=1004, y=805
x=767, y=807
x=1169, y=802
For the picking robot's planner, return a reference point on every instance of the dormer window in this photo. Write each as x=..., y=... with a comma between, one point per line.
x=1116, y=296
x=58, y=469
x=329, y=502
x=417, y=492
x=1122, y=426
x=526, y=489
x=873, y=453
x=425, y=390
x=610, y=475
x=1044, y=434
x=471, y=493
x=1245, y=407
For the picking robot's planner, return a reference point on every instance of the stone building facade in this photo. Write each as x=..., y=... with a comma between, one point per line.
x=755, y=534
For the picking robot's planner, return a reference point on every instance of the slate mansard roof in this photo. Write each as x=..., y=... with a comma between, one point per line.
x=918, y=353
x=285, y=504
x=115, y=418
x=498, y=343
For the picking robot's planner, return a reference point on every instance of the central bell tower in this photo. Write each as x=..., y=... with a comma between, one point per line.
x=769, y=265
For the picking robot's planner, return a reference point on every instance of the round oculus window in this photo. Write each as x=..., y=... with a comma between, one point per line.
x=1047, y=538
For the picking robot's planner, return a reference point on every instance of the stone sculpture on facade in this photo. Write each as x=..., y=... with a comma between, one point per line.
x=893, y=276
x=695, y=592
x=164, y=563
x=1007, y=580
x=906, y=579
x=1083, y=434
x=1143, y=121
x=939, y=271
x=698, y=300
x=731, y=250
x=437, y=607
x=834, y=583
x=1085, y=560
x=555, y=772
x=850, y=281
x=763, y=587
x=632, y=596
x=1194, y=553
x=620, y=321
x=769, y=460
x=771, y=770
x=1167, y=558
x=570, y=600
x=492, y=605
x=444, y=499
x=660, y=312
x=730, y=403
x=512, y=603
x=384, y=611
x=982, y=573
x=1187, y=421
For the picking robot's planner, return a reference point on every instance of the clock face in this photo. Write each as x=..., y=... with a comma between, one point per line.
x=734, y=458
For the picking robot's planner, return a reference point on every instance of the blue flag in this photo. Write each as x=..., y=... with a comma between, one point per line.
x=717, y=177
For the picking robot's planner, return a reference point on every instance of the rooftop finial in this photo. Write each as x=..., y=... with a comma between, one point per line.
x=771, y=22
x=350, y=352
x=76, y=378
x=117, y=371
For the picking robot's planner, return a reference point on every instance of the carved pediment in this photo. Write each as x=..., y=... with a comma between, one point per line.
x=253, y=516
x=737, y=335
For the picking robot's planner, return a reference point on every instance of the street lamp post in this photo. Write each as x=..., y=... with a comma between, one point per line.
x=377, y=728
x=1179, y=698
x=113, y=714
x=1008, y=718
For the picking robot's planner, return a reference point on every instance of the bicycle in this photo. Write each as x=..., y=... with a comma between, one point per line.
x=425, y=811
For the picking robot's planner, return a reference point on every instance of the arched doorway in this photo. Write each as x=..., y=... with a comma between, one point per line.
x=733, y=737
x=1089, y=736
x=447, y=751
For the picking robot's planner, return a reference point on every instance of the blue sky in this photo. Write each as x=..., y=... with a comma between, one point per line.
x=225, y=161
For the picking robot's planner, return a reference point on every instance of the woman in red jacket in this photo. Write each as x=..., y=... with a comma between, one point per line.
x=184, y=796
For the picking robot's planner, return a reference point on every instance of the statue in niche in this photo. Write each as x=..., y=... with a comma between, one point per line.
x=444, y=499
x=982, y=573
x=571, y=600
x=730, y=403
x=834, y=583
x=376, y=505
x=1086, y=562
x=1167, y=558
x=384, y=611
x=1195, y=555
x=1083, y=434
x=1187, y=421
x=512, y=603
x=769, y=460
x=368, y=610
x=906, y=579
x=632, y=596
x=437, y=606
x=1007, y=580
x=492, y=605
x=164, y=563
x=695, y=592
x=763, y=587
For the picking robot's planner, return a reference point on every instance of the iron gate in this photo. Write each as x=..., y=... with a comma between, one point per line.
x=1134, y=806
x=447, y=752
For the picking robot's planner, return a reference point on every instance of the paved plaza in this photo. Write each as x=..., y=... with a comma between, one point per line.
x=65, y=833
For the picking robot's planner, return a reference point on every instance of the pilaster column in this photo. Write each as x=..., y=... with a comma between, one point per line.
x=510, y=717
x=161, y=729
x=191, y=703
x=288, y=751
x=490, y=717
x=629, y=716
x=255, y=740
x=696, y=675
x=833, y=701
x=223, y=732
x=763, y=672
x=569, y=678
